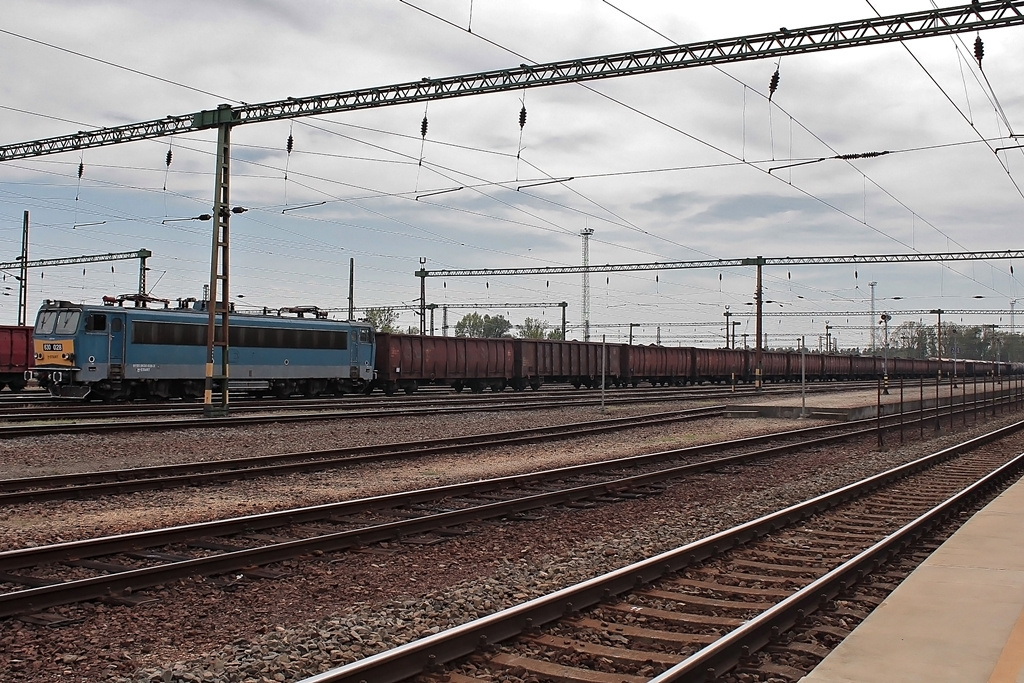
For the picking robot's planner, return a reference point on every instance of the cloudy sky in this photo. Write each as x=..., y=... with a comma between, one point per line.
x=666, y=167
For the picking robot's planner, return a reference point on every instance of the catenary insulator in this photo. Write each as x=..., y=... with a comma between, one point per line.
x=522, y=117
x=291, y=143
x=979, y=50
x=423, y=128
x=773, y=84
x=81, y=168
x=167, y=159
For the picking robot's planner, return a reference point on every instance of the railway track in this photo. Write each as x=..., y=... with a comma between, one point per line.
x=79, y=485
x=110, y=482
x=753, y=599
x=40, y=577
x=73, y=418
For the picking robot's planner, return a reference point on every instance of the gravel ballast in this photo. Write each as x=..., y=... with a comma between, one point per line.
x=338, y=608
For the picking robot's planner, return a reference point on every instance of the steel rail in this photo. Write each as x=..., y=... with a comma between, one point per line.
x=35, y=599
x=470, y=404
x=81, y=484
x=75, y=485
x=421, y=655
x=724, y=653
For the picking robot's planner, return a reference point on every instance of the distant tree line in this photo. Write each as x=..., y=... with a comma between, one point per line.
x=907, y=340
x=471, y=325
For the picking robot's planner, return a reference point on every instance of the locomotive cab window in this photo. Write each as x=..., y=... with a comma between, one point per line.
x=58, y=322
x=46, y=321
x=365, y=335
x=96, y=322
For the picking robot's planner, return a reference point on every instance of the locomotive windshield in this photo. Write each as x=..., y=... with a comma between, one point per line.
x=60, y=321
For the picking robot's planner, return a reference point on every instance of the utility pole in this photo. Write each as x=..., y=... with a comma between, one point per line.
x=585, y=233
x=872, y=286
x=218, y=304
x=23, y=284
x=351, y=289
x=727, y=314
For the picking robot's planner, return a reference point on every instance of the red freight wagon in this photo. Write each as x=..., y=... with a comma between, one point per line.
x=666, y=365
x=720, y=365
x=865, y=367
x=406, y=361
x=579, y=363
x=775, y=366
x=836, y=367
x=16, y=356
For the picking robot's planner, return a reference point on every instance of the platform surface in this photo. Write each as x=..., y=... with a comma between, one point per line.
x=958, y=618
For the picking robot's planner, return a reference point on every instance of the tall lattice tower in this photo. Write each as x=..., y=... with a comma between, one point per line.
x=585, y=233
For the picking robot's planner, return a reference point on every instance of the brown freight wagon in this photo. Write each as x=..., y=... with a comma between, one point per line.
x=538, y=361
x=16, y=356
x=865, y=367
x=836, y=367
x=405, y=362
x=664, y=365
x=775, y=366
x=721, y=365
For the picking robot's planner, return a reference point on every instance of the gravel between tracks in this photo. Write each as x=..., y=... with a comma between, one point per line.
x=342, y=607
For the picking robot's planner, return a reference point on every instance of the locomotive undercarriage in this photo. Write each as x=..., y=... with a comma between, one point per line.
x=190, y=390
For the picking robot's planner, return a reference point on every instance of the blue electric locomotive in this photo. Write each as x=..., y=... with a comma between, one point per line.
x=114, y=352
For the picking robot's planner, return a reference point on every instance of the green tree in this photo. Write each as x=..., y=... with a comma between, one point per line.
x=382, y=319
x=475, y=325
x=556, y=334
x=533, y=329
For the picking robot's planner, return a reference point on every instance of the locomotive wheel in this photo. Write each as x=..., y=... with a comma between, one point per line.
x=409, y=388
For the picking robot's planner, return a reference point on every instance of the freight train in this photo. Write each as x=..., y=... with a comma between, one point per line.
x=114, y=352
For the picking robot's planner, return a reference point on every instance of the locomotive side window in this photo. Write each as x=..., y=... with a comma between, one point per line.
x=146, y=332
x=96, y=322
